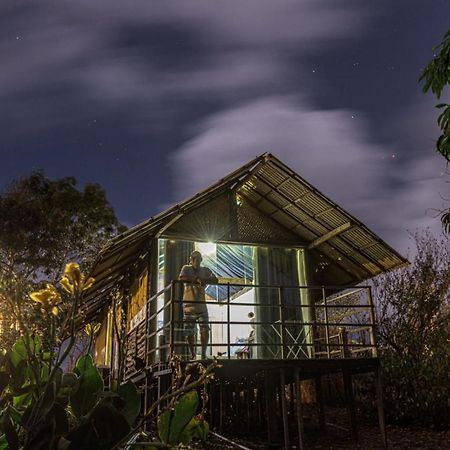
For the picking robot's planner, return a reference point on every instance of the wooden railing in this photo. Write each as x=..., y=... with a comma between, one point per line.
x=291, y=322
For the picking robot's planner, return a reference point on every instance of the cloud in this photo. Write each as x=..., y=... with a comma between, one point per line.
x=332, y=149
x=221, y=49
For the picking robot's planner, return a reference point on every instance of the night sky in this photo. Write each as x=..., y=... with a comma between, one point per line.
x=155, y=100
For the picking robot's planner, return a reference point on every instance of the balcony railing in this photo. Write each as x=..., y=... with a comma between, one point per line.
x=291, y=322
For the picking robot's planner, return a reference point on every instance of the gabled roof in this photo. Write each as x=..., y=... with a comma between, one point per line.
x=277, y=191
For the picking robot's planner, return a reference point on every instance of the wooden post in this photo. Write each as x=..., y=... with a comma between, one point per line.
x=228, y=322
x=373, y=328
x=250, y=396
x=260, y=401
x=380, y=406
x=349, y=401
x=172, y=318
x=343, y=340
x=298, y=401
x=284, y=411
x=220, y=407
x=282, y=324
x=327, y=327
x=270, y=401
x=292, y=397
x=320, y=403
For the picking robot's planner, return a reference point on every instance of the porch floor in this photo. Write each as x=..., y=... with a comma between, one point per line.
x=234, y=369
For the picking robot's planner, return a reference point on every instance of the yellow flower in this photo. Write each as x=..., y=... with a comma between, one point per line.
x=73, y=273
x=92, y=330
x=73, y=280
x=88, y=283
x=66, y=285
x=48, y=298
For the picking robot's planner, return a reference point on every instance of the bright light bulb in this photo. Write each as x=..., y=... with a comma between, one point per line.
x=206, y=248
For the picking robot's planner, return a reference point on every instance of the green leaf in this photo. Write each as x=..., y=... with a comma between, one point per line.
x=164, y=425
x=172, y=423
x=3, y=442
x=19, y=351
x=195, y=429
x=84, y=395
x=105, y=428
x=130, y=395
x=22, y=401
x=10, y=431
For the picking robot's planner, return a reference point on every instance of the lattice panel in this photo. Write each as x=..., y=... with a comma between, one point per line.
x=254, y=226
x=209, y=222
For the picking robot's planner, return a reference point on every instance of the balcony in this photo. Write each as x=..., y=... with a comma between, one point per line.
x=289, y=322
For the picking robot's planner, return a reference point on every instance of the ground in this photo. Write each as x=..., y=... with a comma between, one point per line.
x=336, y=438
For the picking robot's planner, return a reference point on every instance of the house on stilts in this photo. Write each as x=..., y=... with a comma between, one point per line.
x=290, y=265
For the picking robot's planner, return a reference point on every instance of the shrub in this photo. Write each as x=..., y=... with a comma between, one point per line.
x=414, y=330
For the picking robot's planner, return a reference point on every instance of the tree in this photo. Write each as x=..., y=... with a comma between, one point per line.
x=414, y=332
x=436, y=76
x=43, y=224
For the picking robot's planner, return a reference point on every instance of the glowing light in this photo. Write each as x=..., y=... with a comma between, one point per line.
x=206, y=248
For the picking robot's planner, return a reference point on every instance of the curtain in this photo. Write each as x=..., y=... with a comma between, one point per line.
x=279, y=267
x=176, y=255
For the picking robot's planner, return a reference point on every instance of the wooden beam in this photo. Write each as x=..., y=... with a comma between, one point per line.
x=168, y=225
x=330, y=235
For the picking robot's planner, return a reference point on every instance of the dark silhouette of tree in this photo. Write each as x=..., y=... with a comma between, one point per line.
x=44, y=224
x=436, y=76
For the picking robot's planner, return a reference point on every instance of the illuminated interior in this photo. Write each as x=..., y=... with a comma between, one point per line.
x=240, y=266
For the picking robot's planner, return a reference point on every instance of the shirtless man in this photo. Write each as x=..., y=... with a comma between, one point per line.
x=196, y=277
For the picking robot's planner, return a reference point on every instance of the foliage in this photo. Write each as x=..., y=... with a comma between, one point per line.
x=436, y=76
x=44, y=223
x=414, y=331
x=44, y=408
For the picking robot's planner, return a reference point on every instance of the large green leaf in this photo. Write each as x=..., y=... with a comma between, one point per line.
x=85, y=393
x=132, y=399
x=164, y=425
x=173, y=422
x=105, y=428
x=195, y=429
x=19, y=350
x=23, y=400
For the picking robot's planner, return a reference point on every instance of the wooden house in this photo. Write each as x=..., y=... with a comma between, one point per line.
x=290, y=264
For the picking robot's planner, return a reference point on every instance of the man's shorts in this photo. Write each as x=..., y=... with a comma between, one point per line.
x=190, y=320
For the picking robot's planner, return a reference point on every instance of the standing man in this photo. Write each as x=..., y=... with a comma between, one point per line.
x=195, y=309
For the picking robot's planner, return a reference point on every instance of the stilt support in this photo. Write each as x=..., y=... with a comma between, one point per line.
x=284, y=410
x=320, y=403
x=350, y=403
x=380, y=407
x=270, y=400
x=299, y=410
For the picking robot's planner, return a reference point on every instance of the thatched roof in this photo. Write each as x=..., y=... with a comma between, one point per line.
x=277, y=192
